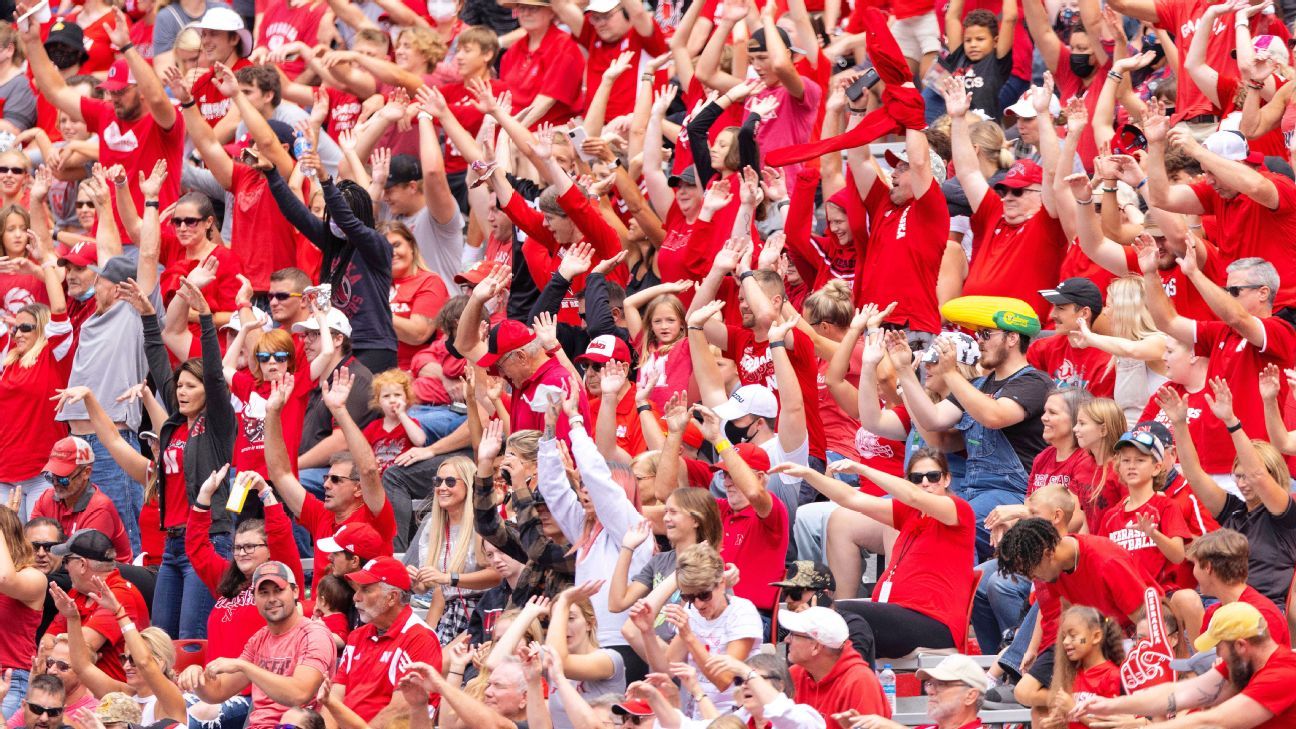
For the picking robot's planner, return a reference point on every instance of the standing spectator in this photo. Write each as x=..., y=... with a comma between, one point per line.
x=418, y=195
x=1074, y=300
x=74, y=501
x=226, y=44
x=545, y=69
x=44, y=533
x=827, y=672
x=605, y=29
x=417, y=294
x=22, y=600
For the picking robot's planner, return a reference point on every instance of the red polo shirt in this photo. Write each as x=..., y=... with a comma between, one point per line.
x=92, y=511
x=550, y=373
x=629, y=435
x=372, y=661
x=555, y=69
x=102, y=621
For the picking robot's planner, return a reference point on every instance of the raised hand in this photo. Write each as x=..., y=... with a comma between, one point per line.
x=957, y=99
x=335, y=395
x=717, y=197
x=576, y=261
x=380, y=165
x=213, y=482
x=1220, y=400
x=1156, y=124
x=636, y=535
x=677, y=413
x=1270, y=384
x=495, y=281
x=545, y=327
x=607, y=265
x=664, y=99
x=750, y=189
x=1145, y=248
x=151, y=186
x=613, y=377
x=1172, y=405
x=781, y=327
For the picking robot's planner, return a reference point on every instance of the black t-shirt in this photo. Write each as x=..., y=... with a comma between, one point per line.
x=1029, y=388
x=982, y=79
x=317, y=424
x=1273, y=545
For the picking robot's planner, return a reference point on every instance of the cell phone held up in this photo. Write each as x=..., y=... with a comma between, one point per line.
x=866, y=81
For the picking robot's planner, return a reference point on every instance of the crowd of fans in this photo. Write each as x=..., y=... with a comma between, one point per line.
x=537, y=363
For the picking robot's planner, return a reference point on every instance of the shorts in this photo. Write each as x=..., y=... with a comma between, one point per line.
x=1042, y=669
x=917, y=36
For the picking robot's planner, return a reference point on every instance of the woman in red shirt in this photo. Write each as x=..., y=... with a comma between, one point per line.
x=15, y=176
x=22, y=603
x=922, y=598
x=1099, y=425
x=197, y=232
x=417, y=294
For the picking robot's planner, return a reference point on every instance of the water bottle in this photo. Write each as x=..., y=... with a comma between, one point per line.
x=301, y=145
x=888, y=680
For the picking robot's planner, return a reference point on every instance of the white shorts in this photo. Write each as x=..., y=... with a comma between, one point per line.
x=917, y=36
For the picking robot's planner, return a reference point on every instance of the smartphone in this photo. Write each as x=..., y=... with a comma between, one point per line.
x=865, y=82
x=578, y=137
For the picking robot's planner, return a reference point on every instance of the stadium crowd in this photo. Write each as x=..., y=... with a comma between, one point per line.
x=570, y=365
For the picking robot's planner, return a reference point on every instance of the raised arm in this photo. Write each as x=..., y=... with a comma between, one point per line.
x=792, y=431
x=966, y=166
x=1211, y=495
x=1275, y=427
x=1158, y=303
x=335, y=394
x=874, y=507
x=1160, y=193
x=147, y=83
x=1041, y=31
x=278, y=465
x=45, y=74
x=1275, y=497
x=743, y=477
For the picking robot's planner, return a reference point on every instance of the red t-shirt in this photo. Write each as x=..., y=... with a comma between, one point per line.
x=421, y=293
x=1121, y=525
x=1271, y=687
x=629, y=434
x=220, y=294
x=29, y=429
x=321, y=522
x=459, y=102
x=173, y=477
x=372, y=662
x=755, y=367
x=102, y=621
x=1270, y=143
x=306, y=644
x=285, y=22
x=262, y=238
x=1186, y=298
x=1075, y=472
x=1071, y=86
x=1101, y=681
x=553, y=374
x=602, y=54
x=19, y=289
x=92, y=511
x=757, y=547
x=1204, y=428
x=900, y=264
x=1014, y=260
x=387, y=443
x=1274, y=620
x=212, y=104
x=344, y=112
x=1240, y=363
x=930, y=569
x=137, y=146
x=839, y=428
x=682, y=255
x=1106, y=578
x=1075, y=264
x=555, y=69
x=97, y=44
x=250, y=406
x=1089, y=368
x=1251, y=229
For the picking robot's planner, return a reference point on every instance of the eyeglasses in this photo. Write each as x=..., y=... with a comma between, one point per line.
x=934, y=687
x=13, y=170
x=50, y=711
x=282, y=296
x=85, y=204
x=985, y=334
x=25, y=328
x=739, y=680
x=697, y=597
x=596, y=366
x=1014, y=192
x=186, y=222
x=449, y=481
x=1236, y=291
x=280, y=357
x=55, y=663
x=44, y=546
x=248, y=548
x=917, y=477
x=335, y=479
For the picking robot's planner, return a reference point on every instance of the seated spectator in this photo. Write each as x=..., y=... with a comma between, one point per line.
x=829, y=675
x=351, y=547
x=1148, y=524
x=44, y=705
x=1220, y=564
x=22, y=602
x=591, y=670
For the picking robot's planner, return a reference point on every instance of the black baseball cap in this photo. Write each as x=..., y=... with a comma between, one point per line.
x=1157, y=428
x=756, y=44
x=88, y=543
x=1078, y=291
x=686, y=176
x=117, y=270
x=404, y=168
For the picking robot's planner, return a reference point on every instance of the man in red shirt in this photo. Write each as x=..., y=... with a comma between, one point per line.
x=828, y=674
x=75, y=502
x=89, y=557
x=621, y=417
x=606, y=29
x=1074, y=300
x=1220, y=563
x=545, y=69
x=1249, y=687
x=390, y=638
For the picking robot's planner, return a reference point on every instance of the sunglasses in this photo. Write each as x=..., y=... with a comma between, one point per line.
x=13, y=170
x=1236, y=291
x=633, y=720
x=335, y=479
x=85, y=205
x=126, y=658
x=918, y=477
x=44, y=546
x=794, y=593
x=50, y=711
x=283, y=296
x=697, y=597
x=55, y=663
x=449, y=481
x=1013, y=192
x=60, y=481
x=739, y=680
x=186, y=222
x=280, y=357
x=985, y=334
x=25, y=328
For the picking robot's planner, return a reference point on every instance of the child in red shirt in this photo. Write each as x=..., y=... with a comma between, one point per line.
x=397, y=432
x=1092, y=649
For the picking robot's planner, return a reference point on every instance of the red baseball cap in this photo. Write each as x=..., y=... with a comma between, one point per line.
x=1023, y=173
x=383, y=569
x=505, y=337
x=605, y=347
x=476, y=273
x=359, y=539
x=82, y=254
x=753, y=455
x=119, y=76
x=632, y=708
x=67, y=455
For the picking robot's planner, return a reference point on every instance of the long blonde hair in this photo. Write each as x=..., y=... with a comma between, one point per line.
x=41, y=314
x=1127, y=312
x=439, y=524
x=1108, y=414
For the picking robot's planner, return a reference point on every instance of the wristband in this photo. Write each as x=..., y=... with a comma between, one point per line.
x=1141, y=184
x=576, y=420
x=644, y=409
x=1234, y=427
x=454, y=579
x=188, y=104
x=1085, y=202
x=699, y=697
x=745, y=275
x=121, y=615
x=1109, y=189
x=152, y=204
x=126, y=47
x=778, y=343
x=696, y=329
x=128, y=627
x=722, y=445
x=1115, y=76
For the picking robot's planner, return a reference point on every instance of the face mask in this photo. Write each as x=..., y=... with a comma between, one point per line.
x=335, y=230
x=89, y=294
x=442, y=9
x=737, y=433
x=1082, y=65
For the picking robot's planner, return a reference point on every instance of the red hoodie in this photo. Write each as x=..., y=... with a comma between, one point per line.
x=819, y=258
x=849, y=685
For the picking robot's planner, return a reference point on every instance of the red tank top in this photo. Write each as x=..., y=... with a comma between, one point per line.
x=21, y=623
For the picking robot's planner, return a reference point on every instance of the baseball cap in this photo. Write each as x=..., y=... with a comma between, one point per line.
x=359, y=539
x=808, y=575
x=895, y=157
x=756, y=400
x=1022, y=174
x=1145, y=441
x=1025, y=109
x=1157, y=428
x=1078, y=291
x=67, y=454
x=1271, y=45
x=505, y=337
x=83, y=254
x=88, y=543
x=383, y=569
x=602, y=6
x=960, y=668
x=823, y=625
x=64, y=33
x=632, y=708
x=221, y=18
x=235, y=324
x=119, y=76
x=117, y=269
x=404, y=168
x=476, y=272
x=118, y=708
x=992, y=312
x=336, y=320
x=276, y=572
x=1234, y=621
x=756, y=44
x=606, y=347
x=686, y=176
x=1233, y=146
x=283, y=131
x=753, y=455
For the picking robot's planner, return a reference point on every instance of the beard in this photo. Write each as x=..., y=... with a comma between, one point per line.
x=365, y=616
x=1240, y=672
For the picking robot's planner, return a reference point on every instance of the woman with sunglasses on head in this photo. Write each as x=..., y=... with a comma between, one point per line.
x=193, y=241
x=22, y=604
x=36, y=363
x=922, y=599
x=446, y=556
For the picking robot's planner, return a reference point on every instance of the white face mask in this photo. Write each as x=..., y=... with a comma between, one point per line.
x=442, y=9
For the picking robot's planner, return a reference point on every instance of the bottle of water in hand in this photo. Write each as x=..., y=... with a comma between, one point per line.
x=300, y=146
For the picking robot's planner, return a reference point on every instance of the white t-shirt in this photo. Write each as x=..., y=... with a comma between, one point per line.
x=739, y=620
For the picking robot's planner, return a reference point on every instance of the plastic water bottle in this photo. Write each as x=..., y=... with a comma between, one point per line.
x=301, y=145
x=888, y=680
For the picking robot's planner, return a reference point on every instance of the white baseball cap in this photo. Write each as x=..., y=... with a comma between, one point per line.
x=756, y=400
x=1229, y=145
x=957, y=668
x=602, y=6
x=261, y=318
x=336, y=320
x=1025, y=109
x=823, y=625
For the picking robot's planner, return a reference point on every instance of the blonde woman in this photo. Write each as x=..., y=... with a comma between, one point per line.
x=22, y=603
x=1098, y=426
x=573, y=638
x=1137, y=348
x=446, y=555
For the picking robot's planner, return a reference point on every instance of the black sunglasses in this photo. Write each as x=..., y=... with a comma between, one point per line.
x=282, y=295
x=44, y=546
x=917, y=477
x=13, y=170
x=449, y=481
x=85, y=204
x=1236, y=291
x=281, y=357
x=1013, y=191
x=126, y=658
x=186, y=222
x=739, y=680
x=698, y=597
x=51, y=711
x=335, y=479
x=25, y=328
x=60, y=481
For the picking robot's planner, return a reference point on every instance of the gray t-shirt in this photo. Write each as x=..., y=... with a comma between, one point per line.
x=109, y=359
x=659, y=567
x=19, y=102
x=616, y=684
x=171, y=20
x=440, y=244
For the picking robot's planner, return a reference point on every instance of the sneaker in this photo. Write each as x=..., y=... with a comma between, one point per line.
x=1001, y=696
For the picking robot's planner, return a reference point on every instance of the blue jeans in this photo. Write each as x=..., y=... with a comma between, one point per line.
x=12, y=702
x=1011, y=660
x=32, y=488
x=233, y=714
x=983, y=501
x=998, y=606
x=181, y=601
x=438, y=421
x=109, y=478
